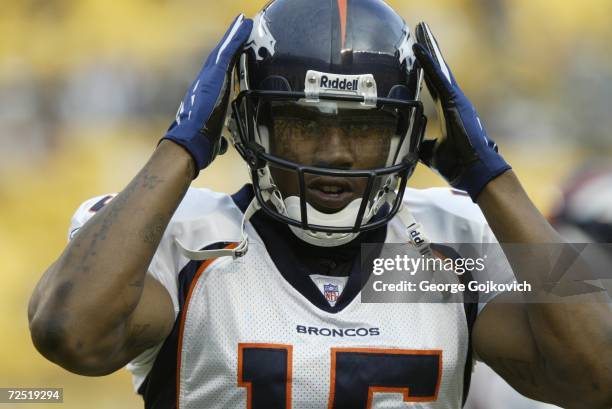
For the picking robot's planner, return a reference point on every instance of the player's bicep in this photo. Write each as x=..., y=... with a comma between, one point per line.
x=151, y=321
x=502, y=339
x=148, y=325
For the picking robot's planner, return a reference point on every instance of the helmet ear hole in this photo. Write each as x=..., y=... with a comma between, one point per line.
x=263, y=53
x=400, y=92
x=275, y=83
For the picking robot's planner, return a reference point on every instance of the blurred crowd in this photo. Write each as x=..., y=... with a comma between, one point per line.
x=539, y=71
x=87, y=87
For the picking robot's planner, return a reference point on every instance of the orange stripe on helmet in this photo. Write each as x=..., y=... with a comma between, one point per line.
x=342, y=8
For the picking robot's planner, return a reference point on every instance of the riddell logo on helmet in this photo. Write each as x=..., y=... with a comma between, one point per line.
x=339, y=84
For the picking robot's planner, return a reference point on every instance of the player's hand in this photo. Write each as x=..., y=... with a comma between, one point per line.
x=463, y=154
x=201, y=115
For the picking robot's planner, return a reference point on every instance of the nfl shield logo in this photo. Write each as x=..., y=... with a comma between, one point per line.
x=331, y=292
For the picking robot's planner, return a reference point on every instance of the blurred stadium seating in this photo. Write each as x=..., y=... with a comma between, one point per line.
x=88, y=86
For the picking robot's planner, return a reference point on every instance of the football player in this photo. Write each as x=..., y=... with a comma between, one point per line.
x=253, y=300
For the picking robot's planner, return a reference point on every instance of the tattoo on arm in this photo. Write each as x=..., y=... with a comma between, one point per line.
x=154, y=230
x=139, y=284
x=140, y=338
x=151, y=181
x=107, y=217
x=151, y=233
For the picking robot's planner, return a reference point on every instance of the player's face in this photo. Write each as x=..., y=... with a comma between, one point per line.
x=349, y=140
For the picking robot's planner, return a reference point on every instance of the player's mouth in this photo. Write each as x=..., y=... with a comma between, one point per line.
x=330, y=194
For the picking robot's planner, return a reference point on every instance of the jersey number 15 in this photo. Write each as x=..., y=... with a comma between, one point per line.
x=356, y=374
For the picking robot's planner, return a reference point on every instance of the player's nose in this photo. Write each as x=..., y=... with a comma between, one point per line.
x=334, y=150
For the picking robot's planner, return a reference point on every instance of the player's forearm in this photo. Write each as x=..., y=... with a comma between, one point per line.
x=574, y=339
x=97, y=282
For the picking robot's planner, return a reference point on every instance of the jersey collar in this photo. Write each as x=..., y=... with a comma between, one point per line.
x=296, y=260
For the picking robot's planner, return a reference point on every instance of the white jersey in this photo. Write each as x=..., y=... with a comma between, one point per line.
x=248, y=335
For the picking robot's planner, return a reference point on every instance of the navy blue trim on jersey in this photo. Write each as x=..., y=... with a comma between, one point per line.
x=296, y=260
x=267, y=370
x=243, y=197
x=470, y=306
x=159, y=387
x=101, y=203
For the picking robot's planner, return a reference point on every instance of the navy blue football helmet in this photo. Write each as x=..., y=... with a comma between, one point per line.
x=326, y=113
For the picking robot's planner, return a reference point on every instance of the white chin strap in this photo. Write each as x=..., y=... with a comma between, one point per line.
x=414, y=229
x=243, y=246
x=415, y=232
x=343, y=218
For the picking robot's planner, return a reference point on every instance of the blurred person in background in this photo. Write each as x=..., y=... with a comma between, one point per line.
x=146, y=282
x=584, y=212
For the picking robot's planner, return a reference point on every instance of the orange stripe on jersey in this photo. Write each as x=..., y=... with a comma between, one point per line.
x=342, y=8
x=202, y=268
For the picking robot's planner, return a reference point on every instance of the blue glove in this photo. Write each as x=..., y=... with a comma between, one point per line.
x=463, y=154
x=201, y=115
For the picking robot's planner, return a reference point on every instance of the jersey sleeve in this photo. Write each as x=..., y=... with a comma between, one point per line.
x=86, y=211
x=449, y=216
